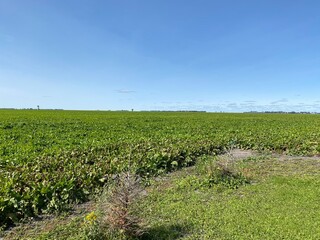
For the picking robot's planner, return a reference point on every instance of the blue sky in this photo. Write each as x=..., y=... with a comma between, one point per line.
x=225, y=55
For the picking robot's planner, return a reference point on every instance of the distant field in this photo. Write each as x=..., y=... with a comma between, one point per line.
x=51, y=158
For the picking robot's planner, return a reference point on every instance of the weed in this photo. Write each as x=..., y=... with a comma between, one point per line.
x=224, y=173
x=118, y=206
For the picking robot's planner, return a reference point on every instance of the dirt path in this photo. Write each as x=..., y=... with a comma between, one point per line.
x=238, y=154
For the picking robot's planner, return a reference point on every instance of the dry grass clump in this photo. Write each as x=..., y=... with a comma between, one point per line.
x=118, y=207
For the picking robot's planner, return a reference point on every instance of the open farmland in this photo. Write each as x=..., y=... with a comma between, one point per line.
x=51, y=158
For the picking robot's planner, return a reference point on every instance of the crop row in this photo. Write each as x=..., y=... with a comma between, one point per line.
x=49, y=159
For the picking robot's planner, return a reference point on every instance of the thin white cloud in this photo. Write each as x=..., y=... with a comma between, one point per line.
x=125, y=91
x=232, y=105
x=283, y=105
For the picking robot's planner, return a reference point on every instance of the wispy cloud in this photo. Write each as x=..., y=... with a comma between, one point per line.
x=231, y=105
x=283, y=100
x=125, y=91
x=245, y=106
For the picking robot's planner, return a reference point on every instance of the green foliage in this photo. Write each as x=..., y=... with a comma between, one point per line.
x=211, y=172
x=282, y=204
x=222, y=173
x=49, y=159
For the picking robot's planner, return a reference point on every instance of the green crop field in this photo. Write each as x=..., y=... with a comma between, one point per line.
x=49, y=159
